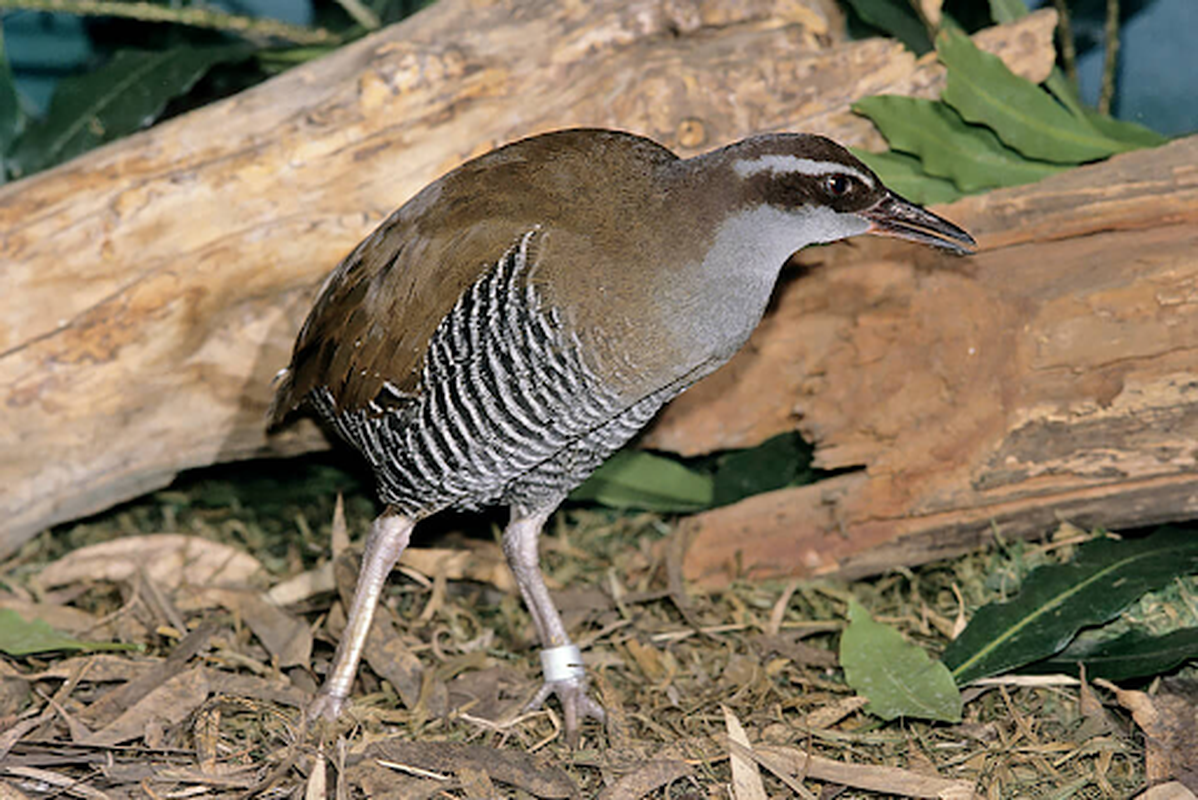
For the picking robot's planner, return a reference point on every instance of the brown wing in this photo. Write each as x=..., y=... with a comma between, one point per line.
x=367, y=334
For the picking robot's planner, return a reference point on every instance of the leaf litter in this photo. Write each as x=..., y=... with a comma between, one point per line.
x=214, y=708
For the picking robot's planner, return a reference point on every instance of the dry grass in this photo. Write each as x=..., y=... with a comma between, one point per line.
x=665, y=663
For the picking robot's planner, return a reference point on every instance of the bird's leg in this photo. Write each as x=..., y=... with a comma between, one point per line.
x=388, y=537
x=561, y=662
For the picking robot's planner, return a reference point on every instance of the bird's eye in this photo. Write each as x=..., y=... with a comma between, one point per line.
x=838, y=185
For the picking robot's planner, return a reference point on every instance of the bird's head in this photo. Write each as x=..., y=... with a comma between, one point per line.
x=833, y=193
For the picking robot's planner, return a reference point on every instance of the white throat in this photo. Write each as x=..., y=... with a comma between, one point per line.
x=718, y=302
x=762, y=238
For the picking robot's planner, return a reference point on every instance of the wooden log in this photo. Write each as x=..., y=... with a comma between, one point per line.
x=1052, y=376
x=153, y=287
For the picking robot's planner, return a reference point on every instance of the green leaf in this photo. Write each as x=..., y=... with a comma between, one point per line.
x=1066, y=93
x=775, y=463
x=636, y=479
x=895, y=18
x=127, y=94
x=969, y=155
x=1004, y=11
x=12, y=119
x=1129, y=132
x=905, y=175
x=19, y=637
x=1135, y=654
x=1023, y=115
x=276, y=61
x=1057, y=601
x=897, y=677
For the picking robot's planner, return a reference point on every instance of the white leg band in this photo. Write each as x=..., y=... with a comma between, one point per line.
x=562, y=663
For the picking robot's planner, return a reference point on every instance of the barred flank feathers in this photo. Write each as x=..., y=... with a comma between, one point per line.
x=508, y=412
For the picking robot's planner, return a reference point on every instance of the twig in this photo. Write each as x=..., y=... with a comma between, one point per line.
x=1025, y=681
x=1065, y=32
x=1111, y=61
x=779, y=610
x=196, y=17
x=411, y=770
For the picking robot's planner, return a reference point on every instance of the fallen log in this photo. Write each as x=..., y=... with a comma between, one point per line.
x=152, y=288
x=1053, y=376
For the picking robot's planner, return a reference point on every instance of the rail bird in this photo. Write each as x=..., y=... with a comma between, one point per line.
x=518, y=320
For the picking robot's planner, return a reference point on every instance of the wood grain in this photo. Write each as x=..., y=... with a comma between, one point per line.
x=153, y=288
x=1052, y=376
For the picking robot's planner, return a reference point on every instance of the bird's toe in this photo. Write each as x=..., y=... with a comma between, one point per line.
x=577, y=704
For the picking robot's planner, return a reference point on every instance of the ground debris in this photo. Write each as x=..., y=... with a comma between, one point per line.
x=701, y=688
x=1169, y=720
x=537, y=776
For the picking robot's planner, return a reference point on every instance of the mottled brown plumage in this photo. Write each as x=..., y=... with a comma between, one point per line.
x=523, y=316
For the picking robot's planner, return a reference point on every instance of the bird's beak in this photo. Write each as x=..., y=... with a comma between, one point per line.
x=902, y=219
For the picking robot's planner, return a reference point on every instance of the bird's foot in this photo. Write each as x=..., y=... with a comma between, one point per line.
x=326, y=706
x=566, y=678
x=577, y=705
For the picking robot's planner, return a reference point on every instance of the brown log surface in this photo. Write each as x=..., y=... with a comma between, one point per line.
x=152, y=288
x=1052, y=376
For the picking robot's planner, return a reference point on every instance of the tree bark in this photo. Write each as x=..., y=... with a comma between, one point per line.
x=153, y=288
x=1053, y=376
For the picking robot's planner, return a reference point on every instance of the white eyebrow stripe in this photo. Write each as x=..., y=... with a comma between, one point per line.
x=803, y=166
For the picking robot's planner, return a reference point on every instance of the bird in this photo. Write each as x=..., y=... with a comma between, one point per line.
x=522, y=317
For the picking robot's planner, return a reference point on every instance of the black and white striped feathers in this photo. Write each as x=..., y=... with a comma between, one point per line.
x=508, y=410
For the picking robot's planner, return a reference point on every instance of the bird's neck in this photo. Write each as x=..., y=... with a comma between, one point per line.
x=716, y=301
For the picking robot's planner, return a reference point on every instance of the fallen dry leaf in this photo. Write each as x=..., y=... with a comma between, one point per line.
x=788, y=645
x=66, y=783
x=656, y=665
x=742, y=672
x=646, y=779
x=476, y=783
x=101, y=668
x=523, y=770
x=481, y=562
x=491, y=695
x=15, y=733
x=474, y=561
x=115, y=702
x=14, y=694
x=377, y=780
x=168, y=559
x=827, y=715
x=316, y=787
x=746, y=777
x=303, y=586
x=1097, y=719
x=229, y=775
x=171, y=702
x=339, y=539
x=276, y=689
x=10, y=792
x=889, y=780
x=286, y=637
x=1170, y=725
x=1167, y=791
